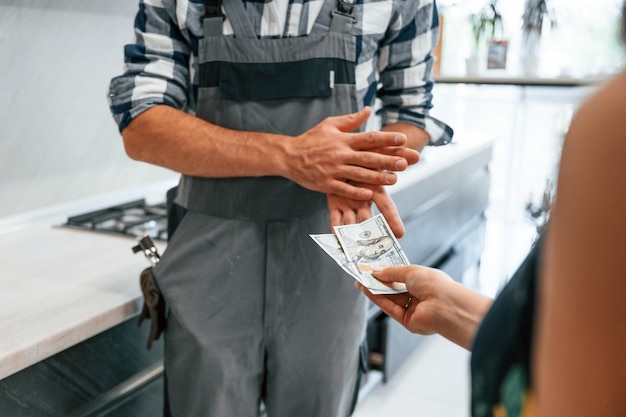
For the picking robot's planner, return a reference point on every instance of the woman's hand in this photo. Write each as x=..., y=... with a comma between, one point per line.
x=417, y=309
x=433, y=303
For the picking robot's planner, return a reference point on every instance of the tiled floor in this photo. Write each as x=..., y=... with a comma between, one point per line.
x=434, y=383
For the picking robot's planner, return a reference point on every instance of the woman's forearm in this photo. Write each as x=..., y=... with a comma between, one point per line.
x=461, y=310
x=435, y=303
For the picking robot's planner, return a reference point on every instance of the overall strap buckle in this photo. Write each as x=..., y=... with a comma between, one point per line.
x=345, y=6
x=344, y=9
x=213, y=8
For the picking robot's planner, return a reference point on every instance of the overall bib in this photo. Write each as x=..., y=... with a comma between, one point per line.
x=257, y=312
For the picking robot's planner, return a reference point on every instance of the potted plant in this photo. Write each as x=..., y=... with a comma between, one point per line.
x=536, y=14
x=484, y=24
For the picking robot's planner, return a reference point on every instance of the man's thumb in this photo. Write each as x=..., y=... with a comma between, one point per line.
x=349, y=122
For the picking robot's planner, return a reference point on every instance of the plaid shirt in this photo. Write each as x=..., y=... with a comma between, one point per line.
x=395, y=39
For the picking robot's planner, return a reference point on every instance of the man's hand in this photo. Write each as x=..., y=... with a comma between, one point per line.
x=348, y=211
x=330, y=158
x=411, y=155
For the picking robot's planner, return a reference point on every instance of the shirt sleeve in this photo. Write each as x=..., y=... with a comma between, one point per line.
x=405, y=66
x=156, y=69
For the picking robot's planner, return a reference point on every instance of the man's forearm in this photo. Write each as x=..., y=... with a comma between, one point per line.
x=330, y=157
x=416, y=138
x=170, y=138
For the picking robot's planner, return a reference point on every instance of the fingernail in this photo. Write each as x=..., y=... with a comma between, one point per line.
x=377, y=268
x=401, y=163
x=390, y=178
x=398, y=139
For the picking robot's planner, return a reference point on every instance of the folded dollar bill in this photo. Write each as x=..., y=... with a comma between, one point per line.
x=358, y=247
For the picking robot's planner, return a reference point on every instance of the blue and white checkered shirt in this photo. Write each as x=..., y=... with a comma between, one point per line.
x=395, y=39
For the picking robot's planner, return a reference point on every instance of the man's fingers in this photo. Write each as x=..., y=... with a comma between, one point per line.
x=389, y=211
x=347, y=211
x=349, y=122
x=336, y=219
x=386, y=206
x=347, y=190
x=364, y=213
x=411, y=155
x=377, y=139
x=371, y=160
x=364, y=177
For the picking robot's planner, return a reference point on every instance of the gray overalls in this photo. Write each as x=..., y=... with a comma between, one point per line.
x=257, y=310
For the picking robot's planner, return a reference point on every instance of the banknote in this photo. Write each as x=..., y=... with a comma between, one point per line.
x=332, y=247
x=330, y=244
x=370, y=243
x=358, y=247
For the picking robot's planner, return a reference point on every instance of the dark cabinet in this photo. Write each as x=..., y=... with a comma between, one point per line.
x=111, y=374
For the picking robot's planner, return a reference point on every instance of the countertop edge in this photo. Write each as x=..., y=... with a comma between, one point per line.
x=523, y=81
x=52, y=344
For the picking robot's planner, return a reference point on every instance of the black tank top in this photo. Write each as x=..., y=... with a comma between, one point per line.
x=501, y=353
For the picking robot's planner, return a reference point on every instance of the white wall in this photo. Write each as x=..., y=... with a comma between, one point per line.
x=58, y=142
x=529, y=124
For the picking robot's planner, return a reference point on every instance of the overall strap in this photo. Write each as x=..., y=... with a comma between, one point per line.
x=338, y=17
x=345, y=6
x=213, y=18
x=236, y=14
x=239, y=19
x=343, y=19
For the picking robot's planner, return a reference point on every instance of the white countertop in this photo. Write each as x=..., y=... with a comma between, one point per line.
x=435, y=159
x=61, y=286
x=523, y=81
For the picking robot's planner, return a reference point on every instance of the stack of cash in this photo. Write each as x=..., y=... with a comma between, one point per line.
x=358, y=247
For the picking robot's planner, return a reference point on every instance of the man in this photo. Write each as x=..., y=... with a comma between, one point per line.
x=259, y=105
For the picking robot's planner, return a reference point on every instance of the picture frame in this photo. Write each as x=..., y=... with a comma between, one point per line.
x=497, y=53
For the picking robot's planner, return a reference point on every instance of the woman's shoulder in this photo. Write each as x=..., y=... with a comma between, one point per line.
x=604, y=111
x=595, y=143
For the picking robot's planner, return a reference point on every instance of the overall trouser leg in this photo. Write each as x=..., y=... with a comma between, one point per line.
x=315, y=321
x=214, y=353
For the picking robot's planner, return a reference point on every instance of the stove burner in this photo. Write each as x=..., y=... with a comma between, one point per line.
x=135, y=218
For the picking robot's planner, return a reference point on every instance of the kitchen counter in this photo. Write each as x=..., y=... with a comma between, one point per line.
x=61, y=286
x=523, y=81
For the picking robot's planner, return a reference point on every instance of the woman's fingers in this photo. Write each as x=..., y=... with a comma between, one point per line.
x=390, y=304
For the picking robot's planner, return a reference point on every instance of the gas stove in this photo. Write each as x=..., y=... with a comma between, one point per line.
x=134, y=218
